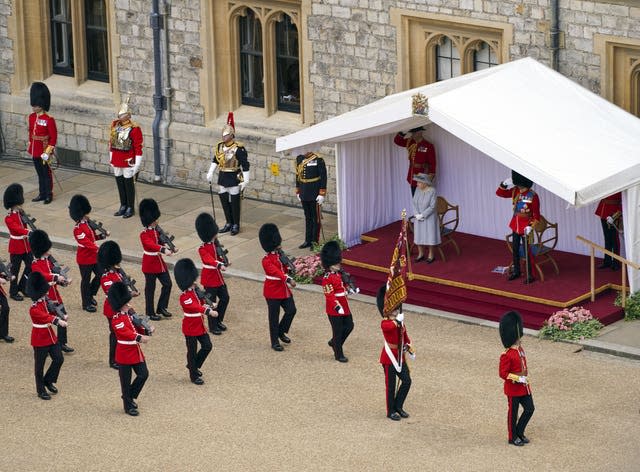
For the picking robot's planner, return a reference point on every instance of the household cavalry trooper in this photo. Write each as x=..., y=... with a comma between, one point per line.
x=125, y=156
x=233, y=175
x=311, y=187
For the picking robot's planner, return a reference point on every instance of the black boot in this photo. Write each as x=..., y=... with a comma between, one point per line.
x=235, y=214
x=226, y=208
x=130, y=192
x=123, y=196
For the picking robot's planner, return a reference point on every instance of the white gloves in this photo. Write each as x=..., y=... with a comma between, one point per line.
x=319, y=199
x=212, y=169
x=400, y=317
x=527, y=230
x=507, y=182
x=137, y=164
x=110, y=157
x=298, y=195
x=609, y=220
x=522, y=379
x=44, y=156
x=245, y=180
x=418, y=217
x=339, y=309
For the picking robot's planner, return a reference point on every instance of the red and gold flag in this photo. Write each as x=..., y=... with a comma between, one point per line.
x=396, y=292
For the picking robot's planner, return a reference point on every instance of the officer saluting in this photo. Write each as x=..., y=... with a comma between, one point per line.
x=233, y=175
x=311, y=188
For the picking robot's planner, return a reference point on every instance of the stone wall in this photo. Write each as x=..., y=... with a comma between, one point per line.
x=6, y=48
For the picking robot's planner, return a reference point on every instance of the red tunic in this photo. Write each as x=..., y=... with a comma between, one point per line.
x=211, y=274
x=42, y=133
x=335, y=294
x=152, y=262
x=193, y=309
x=44, y=266
x=131, y=147
x=87, y=253
x=391, y=334
x=42, y=333
x=607, y=206
x=422, y=156
x=526, y=207
x=275, y=283
x=128, y=350
x=18, y=240
x=514, y=361
x=106, y=281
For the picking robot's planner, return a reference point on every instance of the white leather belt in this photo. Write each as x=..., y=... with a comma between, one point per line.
x=192, y=315
x=17, y=237
x=150, y=253
x=271, y=277
x=205, y=266
x=127, y=342
x=341, y=294
x=40, y=325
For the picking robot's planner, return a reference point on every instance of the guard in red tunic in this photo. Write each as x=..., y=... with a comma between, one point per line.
x=277, y=286
x=125, y=157
x=610, y=213
x=393, y=359
x=335, y=294
x=194, y=309
x=526, y=213
x=513, y=370
x=43, y=339
x=129, y=356
x=213, y=257
x=153, y=265
x=19, y=249
x=43, y=135
x=4, y=309
x=311, y=188
x=87, y=252
x=43, y=263
x=421, y=153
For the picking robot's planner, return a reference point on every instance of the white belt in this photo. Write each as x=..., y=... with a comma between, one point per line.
x=151, y=253
x=17, y=237
x=40, y=325
x=192, y=315
x=127, y=342
x=205, y=266
x=341, y=294
x=271, y=277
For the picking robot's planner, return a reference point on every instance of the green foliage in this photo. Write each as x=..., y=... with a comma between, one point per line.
x=317, y=247
x=632, y=308
x=572, y=324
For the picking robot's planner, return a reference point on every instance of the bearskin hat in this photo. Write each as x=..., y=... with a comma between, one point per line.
x=118, y=296
x=109, y=254
x=330, y=254
x=380, y=299
x=79, y=206
x=510, y=328
x=37, y=286
x=520, y=180
x=39, y=242
x=13, y=195
x=149, y=211
x=269, y=236
x=40, y=96
x=185, y=273
x=206, y=227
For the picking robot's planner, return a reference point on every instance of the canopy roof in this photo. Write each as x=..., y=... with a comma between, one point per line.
x=522, y=114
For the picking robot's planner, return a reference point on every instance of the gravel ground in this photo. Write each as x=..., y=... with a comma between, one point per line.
x=300, y=409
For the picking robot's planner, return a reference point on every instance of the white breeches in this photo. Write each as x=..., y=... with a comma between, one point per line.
x=127, y=172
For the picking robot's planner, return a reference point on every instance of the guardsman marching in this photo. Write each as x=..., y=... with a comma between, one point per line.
x=19, y=249
x=87, y=252
x=513, y=370
x=43, y=339
x=194, y=310
x=233, y=176
x=421, y=154
x=125, y=156
x=335, y=293
x=43, y=135
x=311, y=188
x=526, y=213
x=212, y=267
x=610, y=212
x=277, y=286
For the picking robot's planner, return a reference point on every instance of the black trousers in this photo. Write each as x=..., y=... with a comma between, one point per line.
x=221, y=295
x=150, y=290
x=517, y=426
x=311, y=223
x=195, y=357
x=516, y=240
x=40, y=355
x=88, y=287
x=277, y=326
x=18, y=283
x=4, y=315
x=341, y=327
x=131, y=390
x=112, y=344
x=395, y=400
x=45, y=178
x=611, y=242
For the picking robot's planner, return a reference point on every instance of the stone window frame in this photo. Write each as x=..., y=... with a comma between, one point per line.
x=419, y=33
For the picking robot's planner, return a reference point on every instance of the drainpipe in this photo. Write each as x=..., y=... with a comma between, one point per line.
x=159, y=103
x=554, y=33
x=167, y=93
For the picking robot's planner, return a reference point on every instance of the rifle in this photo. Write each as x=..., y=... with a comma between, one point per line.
x=60, y=270
x=141, y=321
x=5, y=271
x=166, y=239
x=286, y=261
x=57, y=309
x=27, y=220
x=128, y=281
x=347, y=280
x=221, y=252
x=97, y=226
x=203, y=295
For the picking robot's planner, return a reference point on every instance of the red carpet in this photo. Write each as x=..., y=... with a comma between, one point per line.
x=465, y=284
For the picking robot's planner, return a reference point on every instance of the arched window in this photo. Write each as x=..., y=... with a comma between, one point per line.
x=484, y=57
x=251, y=64
x=447, y=60
x=97, y=42
x=61, y=37
x=287, y=65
